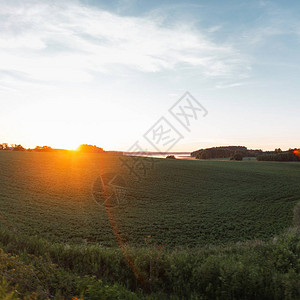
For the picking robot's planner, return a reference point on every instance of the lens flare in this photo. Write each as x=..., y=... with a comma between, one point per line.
x=113, y=224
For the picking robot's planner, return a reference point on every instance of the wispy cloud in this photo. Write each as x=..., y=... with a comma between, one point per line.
x=68, y=41
x=231, y=85
x=274, y=22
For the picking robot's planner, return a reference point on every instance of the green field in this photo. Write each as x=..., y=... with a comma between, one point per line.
x=178, y=203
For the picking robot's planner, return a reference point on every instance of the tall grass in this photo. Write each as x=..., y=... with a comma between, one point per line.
x=296, y=215
x=256, y=270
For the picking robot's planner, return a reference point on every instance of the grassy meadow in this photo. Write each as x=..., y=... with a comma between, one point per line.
x=187, y=230
x=178, y=203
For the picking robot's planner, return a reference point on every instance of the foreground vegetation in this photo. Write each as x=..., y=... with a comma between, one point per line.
x=251, y=270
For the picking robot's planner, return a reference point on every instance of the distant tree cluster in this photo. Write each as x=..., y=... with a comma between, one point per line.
x=18, y=148
x=12, y=147
x=90, y=149
x=237, y=156
x=4, y=146
x=279, y=155
x=43, y=149
x=83, y=148
x=239, y=152
x=225, y=152
x=171, y=157
x=15, y=147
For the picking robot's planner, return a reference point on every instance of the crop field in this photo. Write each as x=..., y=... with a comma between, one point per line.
x=59, y=196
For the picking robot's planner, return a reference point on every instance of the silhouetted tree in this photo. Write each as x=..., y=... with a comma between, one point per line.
x=4, y=146
x=90, y=149
x=43, y=149
x=18, y=148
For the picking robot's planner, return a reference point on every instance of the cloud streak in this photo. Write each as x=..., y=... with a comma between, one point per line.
x=68, y=42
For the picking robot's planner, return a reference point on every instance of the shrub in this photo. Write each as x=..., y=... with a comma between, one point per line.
x=237, y=156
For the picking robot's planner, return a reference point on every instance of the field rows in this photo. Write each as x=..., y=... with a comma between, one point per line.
x=178, y=203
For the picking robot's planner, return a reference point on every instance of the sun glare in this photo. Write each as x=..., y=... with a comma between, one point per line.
x=297, y=152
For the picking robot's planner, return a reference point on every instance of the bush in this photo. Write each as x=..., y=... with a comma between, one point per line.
x=171, y=157
x=237, y=156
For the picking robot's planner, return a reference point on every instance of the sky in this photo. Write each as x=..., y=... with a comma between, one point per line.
x=106, y=72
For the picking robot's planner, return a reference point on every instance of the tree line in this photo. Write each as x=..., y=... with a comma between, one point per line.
x=13, y=147
x=234, y=152
x=82, y=148
x=278, y=155
x=239, y=152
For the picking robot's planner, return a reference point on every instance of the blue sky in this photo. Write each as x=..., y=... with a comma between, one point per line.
x=103, y=72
